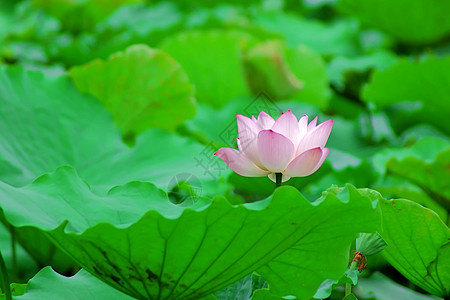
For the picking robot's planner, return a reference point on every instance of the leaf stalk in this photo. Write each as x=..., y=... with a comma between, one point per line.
x=4, y=281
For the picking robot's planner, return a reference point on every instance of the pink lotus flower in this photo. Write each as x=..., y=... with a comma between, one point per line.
x=287, y=146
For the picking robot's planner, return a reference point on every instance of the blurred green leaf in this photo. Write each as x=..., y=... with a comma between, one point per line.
x=420, y=86
x=229, y=17
x=425, y=164
x=80, y=15
x=373, y=40
x=264, y=294
x=221, y=132
x=310, y=68
x=414, y=22
x=282, y=72
x=333, y=38
x=340, y=105
x=425, y=149
x=396, y=187
x=433, y=177
x=60, y=126
x=239, y=290
x=129, y=25
x=134, y=20
x=417, y=244
x=141, y=87
x=6, y=18
x=213, y=62
x=269, y=71
x=341, y=68
x=379, y=286
x=24, y=266
x=40, y=252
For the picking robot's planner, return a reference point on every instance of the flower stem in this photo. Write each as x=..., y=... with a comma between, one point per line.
x=15, y=268
x=348, y=285
x=278, y=177
x=4, y=281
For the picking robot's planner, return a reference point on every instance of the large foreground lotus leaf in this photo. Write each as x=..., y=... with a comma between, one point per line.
x=137, y=241
x=213, y=61
x=47, y=284
x=57, y=125
x=422, y=86
x=415, y=22
x=141, y=87
x=418, y=244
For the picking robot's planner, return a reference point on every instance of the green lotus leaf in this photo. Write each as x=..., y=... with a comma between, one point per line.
x=213, y=62
x=431, y=177
x=80, y=15
x=424, y=164
x=342, y=69
x=60, y=126
x=340, y=36
x=6, y=18
x=309, y=67
x=18, y=263
x=33, y=249
x=228, y=17
x=403, y=19
x=382, y=287
x=426, y=149
x=264, y=294
x=283, y=72
x=141, y=87
x=17, y=289
x=268, y=70
x=239, y=290
x=47, y=284
x=128, y=25
x=132, y=21
x=419, y=90
x=136, y=240
x=397, y=188
x=418, y=244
